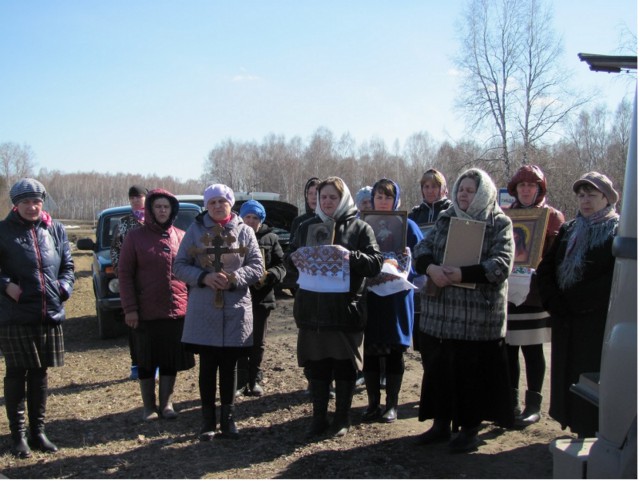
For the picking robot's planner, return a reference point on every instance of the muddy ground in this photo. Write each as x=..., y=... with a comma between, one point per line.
x=94, y=416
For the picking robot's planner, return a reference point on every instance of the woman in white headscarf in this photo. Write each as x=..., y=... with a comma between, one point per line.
x=328, y=310
x=466, y=377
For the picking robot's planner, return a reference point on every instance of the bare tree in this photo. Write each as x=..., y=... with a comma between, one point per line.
x=16, y=161
x=513, y=85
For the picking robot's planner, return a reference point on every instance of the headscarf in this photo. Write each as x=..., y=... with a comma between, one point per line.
x=483, y=202
x=528, y=173
x=346, y=203
x=363, y=194
x=310, y=183
x=396, y=188
x=438, y=177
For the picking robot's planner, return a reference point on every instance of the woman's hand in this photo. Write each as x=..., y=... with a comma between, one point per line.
x=131, y=319
x=217, y=280
x=439, y=276
x=453, y=273
x=13, y=291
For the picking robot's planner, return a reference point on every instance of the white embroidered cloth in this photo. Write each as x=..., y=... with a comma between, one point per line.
x=519, y=284
x=322, y=268
x=394, y=274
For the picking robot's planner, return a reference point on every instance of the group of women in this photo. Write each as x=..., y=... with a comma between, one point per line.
x=186, y=293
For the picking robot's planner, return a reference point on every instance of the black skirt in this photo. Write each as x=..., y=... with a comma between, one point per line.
x=466, y=382
x=158, y=343
x=32, y=347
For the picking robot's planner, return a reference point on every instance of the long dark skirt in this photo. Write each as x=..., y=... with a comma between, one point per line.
x=576, y=348
x=465, y=381
x=32, y=347
x=158, y=343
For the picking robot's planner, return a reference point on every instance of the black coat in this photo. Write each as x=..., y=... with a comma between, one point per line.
x=341, y=311
x=38, y=259
x=262, y=293
x=578, y=318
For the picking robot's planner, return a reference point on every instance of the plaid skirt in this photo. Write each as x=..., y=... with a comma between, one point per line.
x=32, y=347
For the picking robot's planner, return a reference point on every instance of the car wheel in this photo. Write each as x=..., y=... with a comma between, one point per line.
x=109, y=326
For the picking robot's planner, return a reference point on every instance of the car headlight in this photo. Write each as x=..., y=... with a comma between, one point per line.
x=114, y=286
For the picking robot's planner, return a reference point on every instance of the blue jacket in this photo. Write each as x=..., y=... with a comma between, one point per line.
x=37, y=257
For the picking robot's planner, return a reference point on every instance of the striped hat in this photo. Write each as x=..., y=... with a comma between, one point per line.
x=27, y=189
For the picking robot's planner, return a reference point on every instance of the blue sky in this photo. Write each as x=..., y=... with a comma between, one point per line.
x=151, y=86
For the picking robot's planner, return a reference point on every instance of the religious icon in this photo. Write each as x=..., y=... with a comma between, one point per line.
x=389, y=227
x=529, y=230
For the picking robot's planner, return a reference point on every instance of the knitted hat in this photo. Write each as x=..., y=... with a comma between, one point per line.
x=253, y=207
x=363, y=194
x=136, y=190
x=27, y=189
x=218, y=190
x=600, y=182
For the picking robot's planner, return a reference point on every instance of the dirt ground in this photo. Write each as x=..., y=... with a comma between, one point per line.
x=94, y=416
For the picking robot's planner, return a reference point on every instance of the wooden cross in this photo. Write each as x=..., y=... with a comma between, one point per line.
x=210, y=256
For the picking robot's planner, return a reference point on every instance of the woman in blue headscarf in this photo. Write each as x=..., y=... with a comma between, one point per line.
x=390, y=317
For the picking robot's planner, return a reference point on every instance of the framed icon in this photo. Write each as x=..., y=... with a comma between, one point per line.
x=529, y=231
x=389, y=227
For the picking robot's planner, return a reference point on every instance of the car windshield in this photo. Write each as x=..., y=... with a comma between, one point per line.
x=183, y=221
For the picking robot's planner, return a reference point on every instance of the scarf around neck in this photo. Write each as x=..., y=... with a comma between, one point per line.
x=588, y=233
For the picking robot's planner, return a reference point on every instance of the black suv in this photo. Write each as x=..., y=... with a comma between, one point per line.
x=105, y=283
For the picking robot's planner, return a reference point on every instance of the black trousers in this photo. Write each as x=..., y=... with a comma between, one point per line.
x=252, y=364
x=214, y=361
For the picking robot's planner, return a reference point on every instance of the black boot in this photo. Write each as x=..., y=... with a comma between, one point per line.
x=374, y=410
x=466, y=441
x=394, y=383
x=208, y=428
x=319, y=389
x=440, y=432
x=531, y=413
x=515, y=400
x=37, y=383
x=228, y=426
x=242, y=379
x=344, y=398
x=14, y=394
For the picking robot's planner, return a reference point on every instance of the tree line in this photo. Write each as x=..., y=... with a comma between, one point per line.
x=595, y=140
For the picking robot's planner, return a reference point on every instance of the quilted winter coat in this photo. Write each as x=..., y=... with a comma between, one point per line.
x=205, y=324
x=36, y=256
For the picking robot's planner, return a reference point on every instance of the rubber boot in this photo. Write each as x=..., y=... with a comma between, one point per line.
x=167, y=384
x=319, y=389
x=394, y=383
x=14, y=397
x=374, y=410
x=148, y=391
x=208, y=428
x=439, y=432
x=344, y=398
x=37, y=384
x=466, y=441
x=531, y=413
x=228, y=426
x=515, y=399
